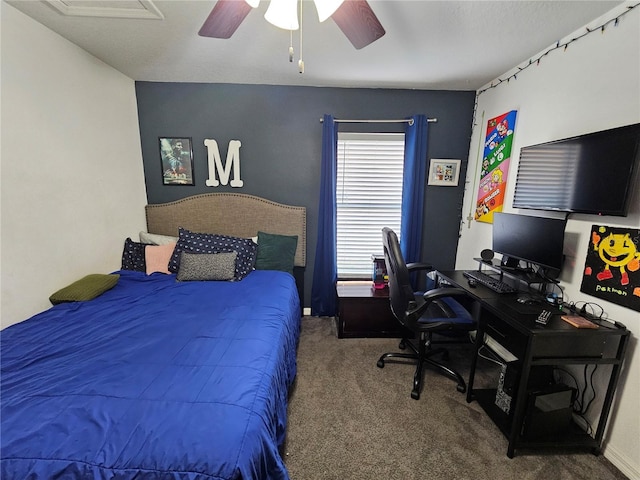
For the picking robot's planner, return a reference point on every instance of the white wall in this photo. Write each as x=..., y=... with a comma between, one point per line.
x=593, y=85
x=72, y=180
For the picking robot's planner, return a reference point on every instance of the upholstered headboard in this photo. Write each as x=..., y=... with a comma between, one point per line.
x=233, y=214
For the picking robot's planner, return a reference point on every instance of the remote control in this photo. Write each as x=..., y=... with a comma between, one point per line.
x=544, y=317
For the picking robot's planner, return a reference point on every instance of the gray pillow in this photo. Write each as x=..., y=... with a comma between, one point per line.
x=207, y=266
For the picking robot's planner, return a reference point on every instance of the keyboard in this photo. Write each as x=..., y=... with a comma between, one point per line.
x=490, y=282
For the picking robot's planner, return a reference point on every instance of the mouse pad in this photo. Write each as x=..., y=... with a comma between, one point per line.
x=523, y=308
x=530, y=308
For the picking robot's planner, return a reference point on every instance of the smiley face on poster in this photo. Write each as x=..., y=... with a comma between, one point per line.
x=612, y=266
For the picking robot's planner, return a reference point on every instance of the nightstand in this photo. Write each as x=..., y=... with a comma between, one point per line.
x=365, y=312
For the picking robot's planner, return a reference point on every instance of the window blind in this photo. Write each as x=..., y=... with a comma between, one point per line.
x=368, y=197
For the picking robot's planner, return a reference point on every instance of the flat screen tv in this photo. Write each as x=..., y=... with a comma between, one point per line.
x=534, y=240
x=592, y=173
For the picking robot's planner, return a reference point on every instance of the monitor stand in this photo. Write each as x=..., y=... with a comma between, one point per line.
x=510, y=263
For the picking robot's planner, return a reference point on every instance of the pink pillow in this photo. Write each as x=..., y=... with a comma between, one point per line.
x=157, y=257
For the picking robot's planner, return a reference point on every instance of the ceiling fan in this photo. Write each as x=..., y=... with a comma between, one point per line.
x=354, y=17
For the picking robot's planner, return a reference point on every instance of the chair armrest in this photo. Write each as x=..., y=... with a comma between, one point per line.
x=454, y=312
x=417, y=266
x=443, y=292
x=417, y=309
x=431, y=295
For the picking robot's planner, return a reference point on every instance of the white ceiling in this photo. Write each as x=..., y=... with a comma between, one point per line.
x=450, y=45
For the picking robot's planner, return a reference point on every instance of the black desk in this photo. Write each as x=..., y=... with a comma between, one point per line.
x=514, y=326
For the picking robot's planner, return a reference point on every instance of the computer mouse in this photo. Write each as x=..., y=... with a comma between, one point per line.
x=472, y=283
x=527, y=300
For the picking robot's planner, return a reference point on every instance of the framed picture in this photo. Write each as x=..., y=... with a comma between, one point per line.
x=444, y=172
x=176, y=157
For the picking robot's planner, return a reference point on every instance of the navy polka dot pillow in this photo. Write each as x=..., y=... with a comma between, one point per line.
x=133, y=256
x=192, y=242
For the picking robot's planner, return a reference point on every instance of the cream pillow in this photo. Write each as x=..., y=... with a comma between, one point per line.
x=156, y=239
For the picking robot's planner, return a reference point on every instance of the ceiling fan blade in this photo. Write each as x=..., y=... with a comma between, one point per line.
x=358, y=22
x=225, y=18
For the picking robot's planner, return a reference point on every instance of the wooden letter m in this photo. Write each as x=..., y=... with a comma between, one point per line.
x=224, y=171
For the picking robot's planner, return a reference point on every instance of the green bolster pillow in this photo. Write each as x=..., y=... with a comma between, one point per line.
x=86, y=288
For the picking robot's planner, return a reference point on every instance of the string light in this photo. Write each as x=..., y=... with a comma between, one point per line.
x=564, y=45
x=557, y=46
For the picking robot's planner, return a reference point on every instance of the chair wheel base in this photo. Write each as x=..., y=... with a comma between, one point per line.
x=415, y=395
x=380, y=364
x=461, y=388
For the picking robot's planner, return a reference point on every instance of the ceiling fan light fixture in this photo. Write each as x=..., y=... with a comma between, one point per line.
x=326, y=8
x=253, y=3
x=283, y=14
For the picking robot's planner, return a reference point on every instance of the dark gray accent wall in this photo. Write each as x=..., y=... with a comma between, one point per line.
x=281, y=135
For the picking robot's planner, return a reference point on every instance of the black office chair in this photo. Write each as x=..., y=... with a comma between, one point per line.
x=422, y=314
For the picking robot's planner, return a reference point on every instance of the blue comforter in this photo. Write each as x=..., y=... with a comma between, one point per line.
x=154, y=379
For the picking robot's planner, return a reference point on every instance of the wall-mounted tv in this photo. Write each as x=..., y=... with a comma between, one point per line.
x=592, y=173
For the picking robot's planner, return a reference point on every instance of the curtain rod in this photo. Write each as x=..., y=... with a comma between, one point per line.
x=403, y=120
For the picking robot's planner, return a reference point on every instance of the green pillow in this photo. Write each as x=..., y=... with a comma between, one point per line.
x=86, y=288
x=276, y=252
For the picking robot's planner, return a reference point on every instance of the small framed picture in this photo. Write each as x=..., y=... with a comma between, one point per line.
x=444, y=172
x=176, y=157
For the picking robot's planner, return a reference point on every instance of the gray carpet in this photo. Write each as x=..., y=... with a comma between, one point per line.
x=350, y=420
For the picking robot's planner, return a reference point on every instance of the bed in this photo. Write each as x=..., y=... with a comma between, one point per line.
x=158, y=378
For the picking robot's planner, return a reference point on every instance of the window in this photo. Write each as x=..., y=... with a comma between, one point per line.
x=368, y=197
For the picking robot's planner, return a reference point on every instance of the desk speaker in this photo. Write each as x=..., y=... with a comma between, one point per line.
x=486, y=255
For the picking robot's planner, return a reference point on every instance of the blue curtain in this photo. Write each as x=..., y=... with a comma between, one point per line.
x=414, y=184
x=325, y=269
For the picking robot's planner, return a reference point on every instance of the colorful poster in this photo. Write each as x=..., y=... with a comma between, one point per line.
x=612, y=267
x=495, y=166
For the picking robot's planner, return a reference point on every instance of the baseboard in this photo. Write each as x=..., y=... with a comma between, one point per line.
x=622, y=463
x=306, y=311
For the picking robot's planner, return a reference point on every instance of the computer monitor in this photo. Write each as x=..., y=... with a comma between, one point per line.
x=535, y=240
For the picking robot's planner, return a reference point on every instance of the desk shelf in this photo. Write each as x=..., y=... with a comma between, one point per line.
x=529, y=278
x=573, y=437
